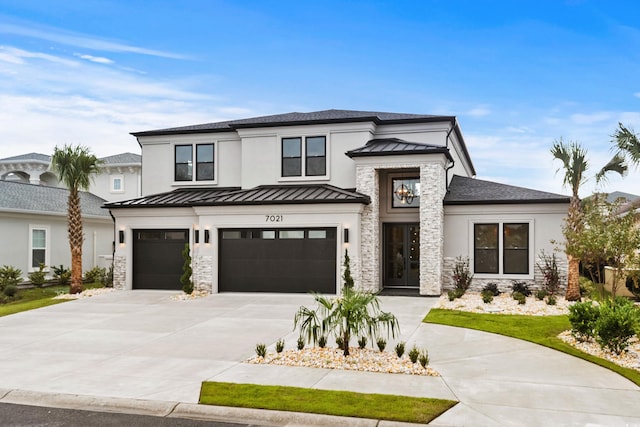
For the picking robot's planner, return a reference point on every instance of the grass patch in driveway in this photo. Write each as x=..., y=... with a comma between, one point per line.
x=541, y=330
x=30, y=299
x=327, y=402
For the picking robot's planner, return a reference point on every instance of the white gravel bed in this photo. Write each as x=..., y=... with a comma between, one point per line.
x=628, y=359
x=504, y=304
x=87, y=293
x=193, y=295
x=368, y=360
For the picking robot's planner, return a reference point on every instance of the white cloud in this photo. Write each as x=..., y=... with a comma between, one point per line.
x=97, y=59
x=588, y=119
x=479, y=111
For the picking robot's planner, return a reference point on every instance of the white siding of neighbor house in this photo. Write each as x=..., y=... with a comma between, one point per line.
x=102, y=184
x=15, y=228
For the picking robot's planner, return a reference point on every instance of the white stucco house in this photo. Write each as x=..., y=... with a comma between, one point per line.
x=33, y=209
x=271, y=204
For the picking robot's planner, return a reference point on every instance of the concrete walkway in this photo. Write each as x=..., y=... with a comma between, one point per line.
x=143, y=352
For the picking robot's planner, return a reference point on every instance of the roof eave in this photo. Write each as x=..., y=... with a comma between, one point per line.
x=505, y=202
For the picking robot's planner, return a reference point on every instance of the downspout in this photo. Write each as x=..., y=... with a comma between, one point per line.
x=113, y=245
x=452, y=164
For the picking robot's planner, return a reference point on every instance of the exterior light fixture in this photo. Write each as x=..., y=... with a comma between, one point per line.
x=121, y=236
x=345, y=237
x=196, y=235
x=206, y=236
x=404, y=193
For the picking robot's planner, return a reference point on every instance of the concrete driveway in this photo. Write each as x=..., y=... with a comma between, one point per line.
x=145, y=345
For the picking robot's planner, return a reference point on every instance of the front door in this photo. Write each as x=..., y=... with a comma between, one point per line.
x=401, y=255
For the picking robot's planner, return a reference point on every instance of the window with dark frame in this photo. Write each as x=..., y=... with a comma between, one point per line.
x=315, y=156
x=204, y=162
x=485, y=248
x=515, y=256
x=291, y=156
x=184, y=163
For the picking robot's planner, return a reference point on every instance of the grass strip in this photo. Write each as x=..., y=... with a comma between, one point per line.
x=327, y=402
x=32, y=298
x=541, y=330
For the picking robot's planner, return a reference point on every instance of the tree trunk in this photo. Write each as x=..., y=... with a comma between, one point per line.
x=573, y=279
x=76, y=239
x=345, y=338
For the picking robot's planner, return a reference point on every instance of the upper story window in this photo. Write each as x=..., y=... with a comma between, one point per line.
x=501, y=248
x=204, y=162
x=117, y=183
x=405, y=192
x=304, y=157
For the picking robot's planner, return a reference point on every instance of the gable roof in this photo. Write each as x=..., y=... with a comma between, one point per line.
x=262, y=195
x=471, y=191
x=122, y=159
x=30, y=157
x=18, y=196
x=290, y=119
x=396, y=146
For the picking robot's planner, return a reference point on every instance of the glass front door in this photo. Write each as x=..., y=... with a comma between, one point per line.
x=401, y=255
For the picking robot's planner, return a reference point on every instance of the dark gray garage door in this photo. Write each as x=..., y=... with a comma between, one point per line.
x=157, y=258
x=278, y=260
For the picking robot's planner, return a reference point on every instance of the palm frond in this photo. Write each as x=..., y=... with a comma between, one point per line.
x=617, y=164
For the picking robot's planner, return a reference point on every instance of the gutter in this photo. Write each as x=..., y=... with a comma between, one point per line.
x=452, y=164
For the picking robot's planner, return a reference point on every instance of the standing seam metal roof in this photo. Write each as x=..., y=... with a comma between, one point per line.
x=396, y=146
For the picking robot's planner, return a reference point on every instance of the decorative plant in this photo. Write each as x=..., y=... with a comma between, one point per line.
x=37, y=278
x=551, y=300
x=10, y=290
x=583, y=317
x=322, y=341
x=424, y=358
x=487, y=296
x=492, y=288
x=616, y=324
x=382, y=344
x=520, y=297
x=400, y=348
x=261, y=350
x=462, y=276
x=9, y=276
x=185, y=279
x=362, y=342
x=340, y=343
x=346, y=277
x=549, y=269
x=279, y=346
x=521, y=287
x=61, y=274
x=414, y=353
x=300, y=343
x=541, y=294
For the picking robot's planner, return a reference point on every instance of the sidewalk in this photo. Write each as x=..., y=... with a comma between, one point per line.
x=130, y=351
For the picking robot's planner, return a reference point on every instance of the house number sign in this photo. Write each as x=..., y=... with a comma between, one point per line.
x=274, y=218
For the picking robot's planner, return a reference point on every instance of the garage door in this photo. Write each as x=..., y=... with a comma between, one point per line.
x=157, y=258
x=278, y=260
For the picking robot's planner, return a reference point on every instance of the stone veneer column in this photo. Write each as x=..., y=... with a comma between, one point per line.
x=120, y=272
x=432, y=186
x=369, y=271
x=202, y=266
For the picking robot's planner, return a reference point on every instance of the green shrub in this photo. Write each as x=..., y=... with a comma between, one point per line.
x=487, y=296
x=300, y=343
x=382, y=344
x=588, y=289
x=37, y=278
x=451, y=295
x=340, y=342
x=322, y=341
x=100, y=275
x=493, y=288
x=9, y=276
x=261, y=350
x=551, y=300
x=583, y=316
x=400, y=348
x=541, y=294
x=520, y=297
x=455, y=293
x=616, y=324
x=362, y=342
x=414, y=353
x=279, y=346
x=61, y=274
x=521, y=287
x=10, y=290
x=424, y=358
x=185, y=279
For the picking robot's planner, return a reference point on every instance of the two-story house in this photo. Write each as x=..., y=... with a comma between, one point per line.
x=272, y=204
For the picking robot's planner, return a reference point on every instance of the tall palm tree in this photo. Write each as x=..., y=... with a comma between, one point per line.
x=75, y=167
x=575, y=165
x=627, y=143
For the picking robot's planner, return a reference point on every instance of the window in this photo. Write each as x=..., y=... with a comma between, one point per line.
x=315, y=156
x=405, y=192
x=501, y=248
x=204, y=162
x=117, y=183
x=39, y=253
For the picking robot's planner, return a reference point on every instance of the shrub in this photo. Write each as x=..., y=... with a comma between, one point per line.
x=583, y=316
x=300, y=343
x=61, y=274
x=541, y=294
x=9, y=276
x=10, y=290
x=424, y=358
x=493, y=288
x=185, y=279
x=382, y=344
x=322, y=341
x=461, y=274
x=279, y=346
x=455, y=293
x=400, y=348
x=414, y=353
x=587, y=288
x=521, y=287
x=362, y=342
x=37, y=278
x=340, y=342
x=551, y=300
x=100, y=275
x=518, y=296
x=616, y=324
x=549, y=270
x=487, y=296
x=261, y=350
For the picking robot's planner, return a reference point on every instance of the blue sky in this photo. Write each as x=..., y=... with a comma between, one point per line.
x=517, y=74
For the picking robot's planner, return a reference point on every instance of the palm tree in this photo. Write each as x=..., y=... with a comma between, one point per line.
x=575, y=165
x=627, y=144
x=75, y=167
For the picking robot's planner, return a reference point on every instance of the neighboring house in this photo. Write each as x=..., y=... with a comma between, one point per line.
x=33, y=226
x=271, y=204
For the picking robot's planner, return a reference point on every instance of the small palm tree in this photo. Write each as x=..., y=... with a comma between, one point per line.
x=351, y=315
x=627, y=144
x=575, y=165
x=75, y=166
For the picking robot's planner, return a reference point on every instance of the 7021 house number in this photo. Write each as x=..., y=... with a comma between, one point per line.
x=273, y=218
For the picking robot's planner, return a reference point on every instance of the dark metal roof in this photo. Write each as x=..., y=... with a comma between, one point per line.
x=262, y=195
x=290, y=119
x=471, y=191
x=177, y=198
x=396, y=146
x=46, y=200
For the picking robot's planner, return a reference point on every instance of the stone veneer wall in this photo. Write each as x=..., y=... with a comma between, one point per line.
x=366, y=273
x=202, y=273
x=504, y=285
x=119, y=272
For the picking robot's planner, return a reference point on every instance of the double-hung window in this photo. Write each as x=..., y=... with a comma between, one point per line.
x=304, y=156
x=38, y=242
x=202, y=155
x=501, y=248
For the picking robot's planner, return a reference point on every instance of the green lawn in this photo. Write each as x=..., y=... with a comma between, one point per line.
x=33, y=298
x=328, y=402
x=541, y=330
